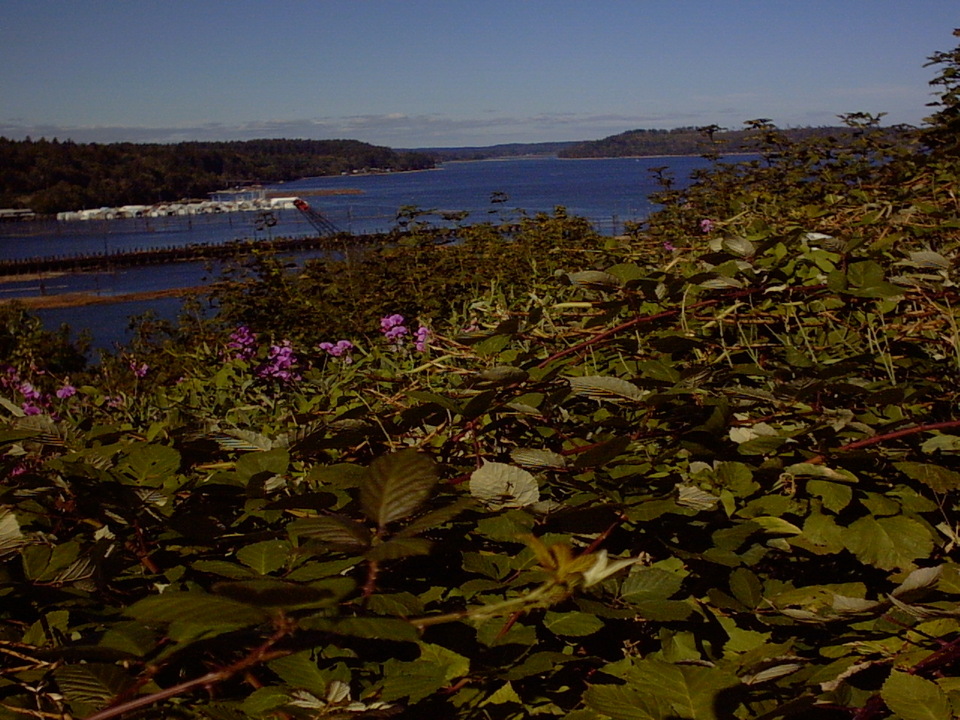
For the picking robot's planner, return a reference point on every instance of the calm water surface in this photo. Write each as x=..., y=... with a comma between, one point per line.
x=608, y=192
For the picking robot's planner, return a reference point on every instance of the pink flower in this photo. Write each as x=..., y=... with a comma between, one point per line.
x=66, y=391
x=669, y=246
x=706, y=225
x=422, y=337
x=139, y=369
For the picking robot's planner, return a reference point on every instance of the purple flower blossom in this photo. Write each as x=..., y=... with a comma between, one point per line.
x=669, y=246
x=341, y=349
x=281, y=363
x=422, y=336
x=139, y=369
x=29, y=392
x=66, y=391
x=393, y=329
x=244, y=342
x=390, y=321
x=706, y=225
x=30, y=409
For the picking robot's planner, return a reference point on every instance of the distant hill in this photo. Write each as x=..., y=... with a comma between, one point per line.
x=544, y=149
x=681, y=141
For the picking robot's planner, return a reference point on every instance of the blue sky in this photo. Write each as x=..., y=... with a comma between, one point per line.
x=422, y=73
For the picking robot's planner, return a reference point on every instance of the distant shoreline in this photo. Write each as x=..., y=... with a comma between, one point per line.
x=81, y=299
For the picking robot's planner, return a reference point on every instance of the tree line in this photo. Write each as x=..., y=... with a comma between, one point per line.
x=689, y=141
x=51, y=176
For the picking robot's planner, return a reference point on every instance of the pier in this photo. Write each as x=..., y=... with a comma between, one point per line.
x=102, y=261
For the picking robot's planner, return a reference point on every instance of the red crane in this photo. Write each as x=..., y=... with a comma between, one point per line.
x=323, y=226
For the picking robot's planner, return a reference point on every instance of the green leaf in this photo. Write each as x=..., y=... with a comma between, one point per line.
x=435, y=669
x=688, y=691
x=91, y=684
x=271, y=462
x=399, y=483
x=650, y=584
x=265, y=557
x=276, y=593
x=572, y=624
x=746, y=587
x=150, y=465
x=11, y=537
x=598, y=387
x=620, y=703
x=377, y=628
x=835, y=497
x=935, y=477
x=333, y=529
x=300, y=670
x=195, y=608
x=915, y=698
x=399, y=547
x=888, y=542
x=498, y=485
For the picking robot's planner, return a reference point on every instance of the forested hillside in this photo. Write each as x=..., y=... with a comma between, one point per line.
x=707, y=470
x=50, y=176
x=688, y=141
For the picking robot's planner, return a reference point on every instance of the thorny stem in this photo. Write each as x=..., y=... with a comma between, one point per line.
x=865, y=442
x=263, y=653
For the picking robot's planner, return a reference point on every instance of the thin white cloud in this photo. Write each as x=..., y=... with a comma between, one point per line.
x=391, y=129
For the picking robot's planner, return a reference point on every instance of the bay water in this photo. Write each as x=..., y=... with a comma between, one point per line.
x=608, y=192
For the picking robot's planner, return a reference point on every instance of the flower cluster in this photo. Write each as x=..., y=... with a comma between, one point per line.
x=706, y=226
x=281, y=364
x=34, y=401
x=341, y=349
x=395, y=330
x=243, y=342
x=421, y=337
x=139, y=369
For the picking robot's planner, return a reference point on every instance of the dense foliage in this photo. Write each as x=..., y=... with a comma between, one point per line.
x=687, y=141
x=50, y=176
x=707, y=470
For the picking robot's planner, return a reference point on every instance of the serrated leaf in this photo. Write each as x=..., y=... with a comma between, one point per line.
x=435, y=518
x=693, y=497
x=399, y=547
x=741, y=247
x=92, y=684
x=333, y=529
x=242, y=440
x=399, y=483
x=149, y=465
x=11, y=536
x=888, y=542
x=594, y=279
x=378, y=628
x=498, y=485
x=275, y=593
x=918, y=581
x=937, y=478
x=620, y=703
x=299, y=670
x=912, y=697
x=538, y=458
x=572, y=624
x=650, y=583
x=271, y=462
x=776, y=525
x=601, y=387
x=265, y=557
x=197, y=608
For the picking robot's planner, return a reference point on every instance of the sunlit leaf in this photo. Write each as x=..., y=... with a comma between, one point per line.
x=399, y=483
x=498, y=485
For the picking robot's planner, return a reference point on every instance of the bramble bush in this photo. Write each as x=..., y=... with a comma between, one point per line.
x=706, y=470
